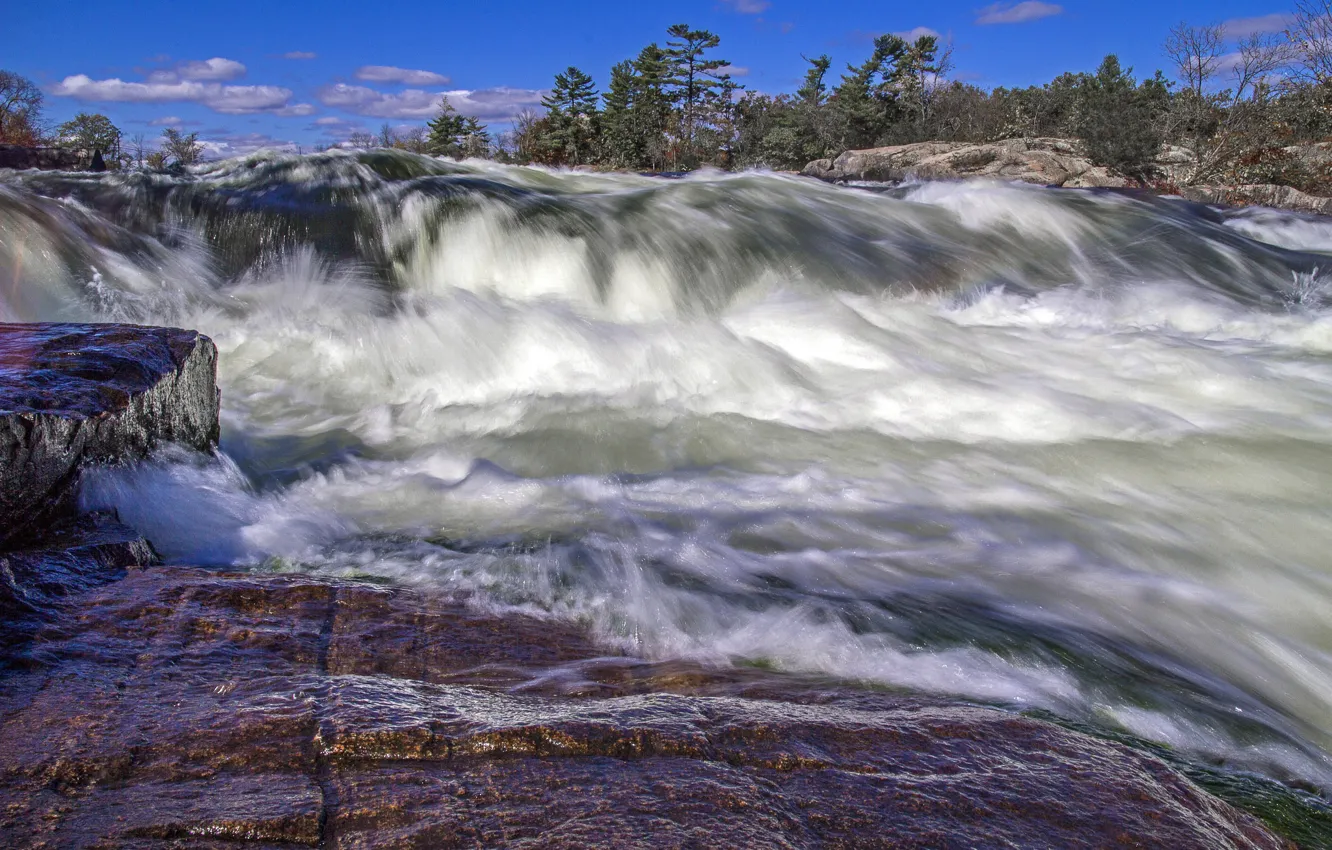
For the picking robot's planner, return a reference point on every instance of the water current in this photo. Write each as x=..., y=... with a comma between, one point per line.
x=1033, y=448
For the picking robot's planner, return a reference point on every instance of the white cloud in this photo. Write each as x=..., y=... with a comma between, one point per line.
x=223, y=147
x=1019, y=13
x=737, y=71
x=330, y=121
x=231, y=100
x=299, y=54
x=497, y=104
x=216, y=69
x=166, y=121
x=748, y=7
x=406, y=76
x=913, y=35
x=1244, y=27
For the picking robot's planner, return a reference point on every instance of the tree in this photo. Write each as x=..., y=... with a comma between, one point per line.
x=88, y=133
x=696, y=78
x=813, y=91
x=865, y=101
x=1197, y=53
x=138, y=150
x=180, y=149
x=572, y=109
x=475, y=139
x=1117, y=120
x=1310, y=34
x=362, y=140
x=448, y=130
x=20, y=110
x=621, y=145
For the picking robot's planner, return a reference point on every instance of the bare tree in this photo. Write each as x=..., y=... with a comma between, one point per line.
x=1197, y=53
x=1222, y=125
x=1310, y=35
x=138, y=149
x=363, y=140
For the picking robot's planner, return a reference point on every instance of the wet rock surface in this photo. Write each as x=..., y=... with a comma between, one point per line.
x=74, y=394
x=182, y=708
x=73, y=556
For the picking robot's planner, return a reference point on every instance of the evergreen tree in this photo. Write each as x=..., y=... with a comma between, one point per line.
x=1117, y=119
x=651, y=107
x=813, y=91
x=696, y=79
x=866, y=99
x=475, y=139
x=572, y=105
x=621, y=144
x=448, y=131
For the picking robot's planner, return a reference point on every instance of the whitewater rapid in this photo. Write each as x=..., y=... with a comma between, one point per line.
x=1034, y=448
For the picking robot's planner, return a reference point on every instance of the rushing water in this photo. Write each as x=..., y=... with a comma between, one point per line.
x=1035, y=448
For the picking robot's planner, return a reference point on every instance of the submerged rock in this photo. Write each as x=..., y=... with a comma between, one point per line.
x=77, y=394
x=185, y=708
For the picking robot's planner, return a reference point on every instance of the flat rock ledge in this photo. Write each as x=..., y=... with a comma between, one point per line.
x=1046, y=162
x=76, y=394
x=182, y=708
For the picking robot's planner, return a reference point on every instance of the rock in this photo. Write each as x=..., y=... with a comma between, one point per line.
x=1281, y=197
x=97, y=164
x=77, y=394
x=71, y=557
x=1050, y=162
x=188, y=708
x=48, y=159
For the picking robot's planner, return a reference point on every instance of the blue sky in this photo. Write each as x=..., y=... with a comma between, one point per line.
x=246, y=73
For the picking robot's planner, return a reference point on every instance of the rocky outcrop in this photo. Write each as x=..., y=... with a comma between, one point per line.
x=77, y=394
x=1264, y=195
x=309, y=713
x=1048, y=162
x=48, y=159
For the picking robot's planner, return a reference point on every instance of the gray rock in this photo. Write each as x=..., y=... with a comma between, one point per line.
x=1047, y=162
x=77, y=394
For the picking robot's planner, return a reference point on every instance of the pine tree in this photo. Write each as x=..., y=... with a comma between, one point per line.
x=621, y=145
x=813, y=91
x=475, y=139
x=572, y=105
x=651, y=106
x=696, y=79
x=448, y=130
x=866, y=99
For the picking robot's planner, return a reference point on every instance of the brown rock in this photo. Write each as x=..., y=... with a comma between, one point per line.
x=178, y=707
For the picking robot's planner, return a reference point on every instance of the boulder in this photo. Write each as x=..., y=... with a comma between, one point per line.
x=342, y=715
x=71, y=395
x=1048, y=162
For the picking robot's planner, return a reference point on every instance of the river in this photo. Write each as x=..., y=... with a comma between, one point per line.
x=1038, y=449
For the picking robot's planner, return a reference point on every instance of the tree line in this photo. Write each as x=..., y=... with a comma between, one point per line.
x=1230, y=110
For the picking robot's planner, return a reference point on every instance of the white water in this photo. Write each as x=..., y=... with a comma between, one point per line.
x=1042, y=449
